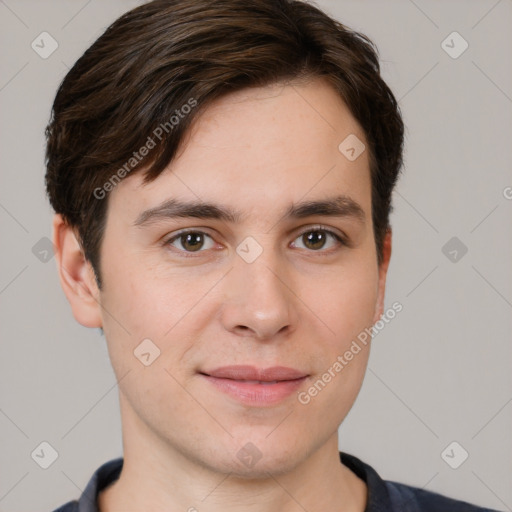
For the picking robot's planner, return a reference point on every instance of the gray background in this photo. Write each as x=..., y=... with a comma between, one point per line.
x=439, y=372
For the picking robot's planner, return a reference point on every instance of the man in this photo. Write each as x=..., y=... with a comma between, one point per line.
x=222, y=175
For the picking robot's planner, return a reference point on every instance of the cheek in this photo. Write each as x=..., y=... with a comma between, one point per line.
x=141, y=302
x=346, y=306
x=136, y=295
x=346, y=300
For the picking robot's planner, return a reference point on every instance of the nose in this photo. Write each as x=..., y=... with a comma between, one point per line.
x=259, y=300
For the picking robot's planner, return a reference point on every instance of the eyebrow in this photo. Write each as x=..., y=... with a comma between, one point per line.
x=337, y=206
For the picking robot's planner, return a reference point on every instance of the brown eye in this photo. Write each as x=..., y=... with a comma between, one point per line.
x=190, y=241
x=316, y=239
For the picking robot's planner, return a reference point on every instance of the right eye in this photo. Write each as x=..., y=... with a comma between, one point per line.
x=190, y=240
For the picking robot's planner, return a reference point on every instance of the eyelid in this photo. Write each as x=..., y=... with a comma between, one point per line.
x=310, y=227
x=327, y=229
x=340, y=237
x=174, y=236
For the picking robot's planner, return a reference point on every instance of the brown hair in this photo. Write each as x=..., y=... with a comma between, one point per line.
x=166, y=54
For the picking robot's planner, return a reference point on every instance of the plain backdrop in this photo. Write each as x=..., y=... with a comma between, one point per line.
x=439, y=373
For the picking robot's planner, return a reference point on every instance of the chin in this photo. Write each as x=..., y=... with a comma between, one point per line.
x=253, y=460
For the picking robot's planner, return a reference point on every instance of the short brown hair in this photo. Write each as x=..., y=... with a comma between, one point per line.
x=166, y=54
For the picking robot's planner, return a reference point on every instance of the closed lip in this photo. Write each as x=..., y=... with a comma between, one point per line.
x=252, y=373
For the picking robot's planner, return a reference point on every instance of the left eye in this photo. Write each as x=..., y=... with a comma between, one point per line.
x=315, y=238
x=194, y=241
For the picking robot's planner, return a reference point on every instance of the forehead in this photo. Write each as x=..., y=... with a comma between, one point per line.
x=259, y=148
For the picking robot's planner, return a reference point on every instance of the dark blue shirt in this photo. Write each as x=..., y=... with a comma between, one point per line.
x=383, y=495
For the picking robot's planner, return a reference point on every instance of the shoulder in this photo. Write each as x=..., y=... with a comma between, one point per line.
x=102, y=477
x=413, y=499
x=391, y=496
x=70, y=506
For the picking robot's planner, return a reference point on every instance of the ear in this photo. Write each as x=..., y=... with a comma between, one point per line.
x=76, y=275
x=383, y=270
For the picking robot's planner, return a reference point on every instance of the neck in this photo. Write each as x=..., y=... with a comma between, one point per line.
x=157, y=476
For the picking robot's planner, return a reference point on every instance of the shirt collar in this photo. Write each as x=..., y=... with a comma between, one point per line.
x=102, y=477
x=378, y=499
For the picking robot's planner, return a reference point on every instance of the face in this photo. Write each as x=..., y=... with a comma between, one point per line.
x=250, y=283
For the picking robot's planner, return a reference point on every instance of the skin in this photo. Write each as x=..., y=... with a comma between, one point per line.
x=298, y=305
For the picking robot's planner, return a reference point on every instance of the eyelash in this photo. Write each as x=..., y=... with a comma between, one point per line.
x=189, y=254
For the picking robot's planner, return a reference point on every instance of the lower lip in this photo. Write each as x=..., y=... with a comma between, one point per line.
x=256, y=394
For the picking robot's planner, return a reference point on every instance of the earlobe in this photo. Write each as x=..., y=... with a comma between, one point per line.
x=76, y=275
x=383, y=270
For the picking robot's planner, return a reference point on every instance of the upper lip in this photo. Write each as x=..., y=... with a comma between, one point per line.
x=274, y=373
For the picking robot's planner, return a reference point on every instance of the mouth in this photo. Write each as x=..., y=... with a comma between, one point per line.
x=256, y=386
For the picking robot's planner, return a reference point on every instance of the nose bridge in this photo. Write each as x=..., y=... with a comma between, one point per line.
x=261, y=279
x=257, y=296
x=258, y=267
